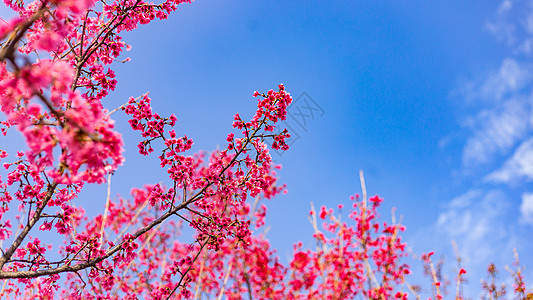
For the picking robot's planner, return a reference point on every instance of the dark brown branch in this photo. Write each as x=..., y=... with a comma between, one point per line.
x=31, y=222
x=8, y=49
x=187, y=271
x=116, y=248
x=96, y=44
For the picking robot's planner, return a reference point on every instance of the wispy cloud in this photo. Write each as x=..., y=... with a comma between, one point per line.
x=496, y=135
x=519, y=166
x=500, y=25
x=526, y=208
x=503, y=96
x=513, y=24
x=495, y=130
x=509, y=79
x=501, y=126
x=476, y=221
x=479, y=222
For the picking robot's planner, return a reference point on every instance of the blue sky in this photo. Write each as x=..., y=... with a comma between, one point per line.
x=431, y=99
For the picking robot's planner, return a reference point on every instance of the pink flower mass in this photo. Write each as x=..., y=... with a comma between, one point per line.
x=55, y=75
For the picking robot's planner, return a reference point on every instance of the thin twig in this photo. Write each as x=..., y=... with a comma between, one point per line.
x=314, y=223
x=126, y=103
x=187, y=271
x=225, y=280
x=152, y=234
x=199, y=284
x=458, y=258
x=363, y=186
x=412, y=290
x=31, y=222
x=104, y=219
x=435, y=280
x=132, y=220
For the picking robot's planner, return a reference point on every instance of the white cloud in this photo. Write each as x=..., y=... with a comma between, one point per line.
x=501, y=28
x=510, y=79
x=495, y=131
x=513, y=24
x=526, y=45
x=526, y=208
x=498, y=125
x=519, y=166
x=475, y=220
x=478, y=221
x=465, y=199
x=502, y=97
x=504, y=7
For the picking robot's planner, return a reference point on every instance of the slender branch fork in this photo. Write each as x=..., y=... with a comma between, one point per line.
x=93, y=262
x=110, y=252
x=20, y=238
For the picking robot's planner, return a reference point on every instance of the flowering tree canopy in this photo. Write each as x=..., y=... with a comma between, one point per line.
x=55, y=74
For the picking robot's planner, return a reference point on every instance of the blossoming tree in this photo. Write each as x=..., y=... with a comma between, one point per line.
x=55, y=74
x=54, y=77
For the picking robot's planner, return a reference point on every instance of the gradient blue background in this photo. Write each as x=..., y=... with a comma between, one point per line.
x=431, y=99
